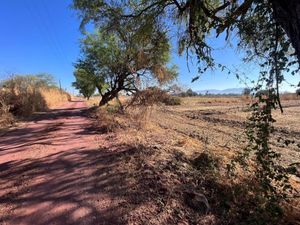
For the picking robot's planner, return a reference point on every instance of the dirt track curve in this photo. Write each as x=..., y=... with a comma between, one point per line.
x=52, y=171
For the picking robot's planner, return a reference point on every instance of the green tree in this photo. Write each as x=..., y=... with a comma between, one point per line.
x=191, y=93
x=277, y=51
x=246, y=91
x=84, y=83
x=118, y=60
x=197, y=20
x=44, y=79
x=29, y=80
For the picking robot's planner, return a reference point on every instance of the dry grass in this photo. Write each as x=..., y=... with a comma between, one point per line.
x=93, y=101
x=6, y=120
x=199, y=125
x=170, y=138
x=23, y=101
x=289, y=96
x=54, y=97
x=211, y=100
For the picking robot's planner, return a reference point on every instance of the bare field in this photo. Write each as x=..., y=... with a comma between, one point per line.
x=222, y=121
x=218, y=124
x=170, y=138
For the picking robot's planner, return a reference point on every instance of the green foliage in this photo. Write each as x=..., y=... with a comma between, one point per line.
x=246, y=91
x=196, y=20
x=273, y=51
x=270, y=179
x=120, y=59
x=206, y=162
x=25, y=81
x=84, y=83
x=188, y=93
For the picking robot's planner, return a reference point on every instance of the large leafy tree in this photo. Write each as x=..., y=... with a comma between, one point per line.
x=116, y=59
x=268, y=29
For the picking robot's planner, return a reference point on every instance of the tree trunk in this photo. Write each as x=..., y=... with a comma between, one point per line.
x=107, y=97
x=287, y=15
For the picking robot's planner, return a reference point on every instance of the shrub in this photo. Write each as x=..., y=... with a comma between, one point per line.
x=262, y=93
x=189, y=93
x=205, y=161
x=6, y=118
x=171, y=100
x=113, y=108
x=106, y=121
x=298, y=92
x=23, y=95
x=246, y=91
x=152, y=96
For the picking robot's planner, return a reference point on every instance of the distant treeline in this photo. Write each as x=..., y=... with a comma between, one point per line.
x=191, y=93
x=246, y=92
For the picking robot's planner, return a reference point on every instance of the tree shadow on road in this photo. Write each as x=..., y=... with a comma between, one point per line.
x=43, y=129
x=75, y=187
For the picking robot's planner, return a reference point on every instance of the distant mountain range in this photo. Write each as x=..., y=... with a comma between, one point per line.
x=236, y=91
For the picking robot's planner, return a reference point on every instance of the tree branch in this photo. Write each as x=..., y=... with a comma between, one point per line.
x=146, y=9
x=178, y=5
x=242, y=9
x=224, y=6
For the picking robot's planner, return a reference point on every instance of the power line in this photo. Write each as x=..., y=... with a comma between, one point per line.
x=39, y=26
x=56, y=38
x=45, y=30
x=48, y=30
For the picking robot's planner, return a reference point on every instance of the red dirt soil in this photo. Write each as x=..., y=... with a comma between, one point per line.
x=52, y=171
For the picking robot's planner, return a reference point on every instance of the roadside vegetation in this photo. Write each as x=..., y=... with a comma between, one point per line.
x=22, y=95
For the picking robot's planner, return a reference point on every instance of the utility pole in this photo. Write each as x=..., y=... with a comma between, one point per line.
x=59, y=85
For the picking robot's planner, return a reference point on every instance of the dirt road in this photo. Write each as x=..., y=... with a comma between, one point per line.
x=52, y=171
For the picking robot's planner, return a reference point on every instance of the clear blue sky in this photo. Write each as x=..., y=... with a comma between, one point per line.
x=43, y=36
